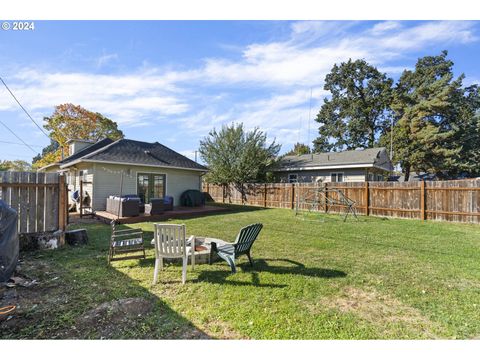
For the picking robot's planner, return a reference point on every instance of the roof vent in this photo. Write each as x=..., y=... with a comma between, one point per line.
x=147, y=152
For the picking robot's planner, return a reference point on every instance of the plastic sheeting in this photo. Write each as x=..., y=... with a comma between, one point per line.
x=8, y=241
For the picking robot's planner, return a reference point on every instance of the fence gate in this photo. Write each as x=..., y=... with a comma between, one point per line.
x=40, y=199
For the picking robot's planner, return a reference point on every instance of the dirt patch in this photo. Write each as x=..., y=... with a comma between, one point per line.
x=388, y=313
x=463, y=284
x=223, y=330
x=110, y=317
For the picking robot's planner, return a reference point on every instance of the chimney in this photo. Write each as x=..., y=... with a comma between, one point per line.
x=76, y=145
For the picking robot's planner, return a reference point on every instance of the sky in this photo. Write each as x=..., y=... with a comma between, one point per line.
x=174, y=81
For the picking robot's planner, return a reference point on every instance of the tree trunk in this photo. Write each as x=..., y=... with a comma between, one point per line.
x=407, y=172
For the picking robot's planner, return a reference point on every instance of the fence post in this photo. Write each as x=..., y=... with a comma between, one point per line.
x=326, y=198
x=293, y=196
x=366, y=198
x=422, y=200
x=81, y=198
x=265, y=195
x=62, y=207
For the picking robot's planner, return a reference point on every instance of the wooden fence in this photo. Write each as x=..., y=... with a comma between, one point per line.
x=456, y=200
x=40, y=200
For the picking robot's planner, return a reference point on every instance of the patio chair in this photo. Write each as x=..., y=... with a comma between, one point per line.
x=242, y=245
x=170, y=242
x=125, y=241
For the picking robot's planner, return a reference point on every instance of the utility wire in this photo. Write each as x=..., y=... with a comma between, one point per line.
x=26, y=112
x=15, y=143
x=24, y=143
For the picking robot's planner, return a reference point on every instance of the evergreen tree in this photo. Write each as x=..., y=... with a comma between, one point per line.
x=431, y=118
x=299, y=149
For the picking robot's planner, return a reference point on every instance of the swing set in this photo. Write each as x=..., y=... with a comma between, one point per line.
x=323, y=198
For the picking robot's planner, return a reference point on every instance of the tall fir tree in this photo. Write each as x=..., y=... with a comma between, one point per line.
x=431, y=118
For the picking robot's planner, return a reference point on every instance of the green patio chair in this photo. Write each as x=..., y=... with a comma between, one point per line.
x=242, y=245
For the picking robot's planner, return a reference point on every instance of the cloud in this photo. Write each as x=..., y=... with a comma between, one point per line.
x=105, y=59
x=128, y=99
x=266, y=85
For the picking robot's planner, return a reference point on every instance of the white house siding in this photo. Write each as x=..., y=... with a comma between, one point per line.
x=107, y=181
x=349, y=175
x=73, y=180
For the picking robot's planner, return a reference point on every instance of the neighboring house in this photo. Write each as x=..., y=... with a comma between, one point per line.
x=345, y=166
x=150, y=170
x=413, y=177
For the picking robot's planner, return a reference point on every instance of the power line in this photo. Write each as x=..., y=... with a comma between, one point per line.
x=309, y=116
x=26, y=112
x=24, y=143
x=15, y=143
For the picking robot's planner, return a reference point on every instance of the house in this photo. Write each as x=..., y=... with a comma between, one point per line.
x=422, y=176
x=150, y=170
x=345, y=166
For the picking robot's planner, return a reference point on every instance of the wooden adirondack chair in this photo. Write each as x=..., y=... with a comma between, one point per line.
x=242, y=245
x=126, y=242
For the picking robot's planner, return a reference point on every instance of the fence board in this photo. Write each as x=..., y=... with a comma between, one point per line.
x=51, y=222
x=36, y=198
x=455, y=200
x=40, y=202
x=23, y=204
x=32, y=194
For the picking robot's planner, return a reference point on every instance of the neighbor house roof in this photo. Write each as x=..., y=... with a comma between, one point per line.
x=374, y=157
x=132, y=152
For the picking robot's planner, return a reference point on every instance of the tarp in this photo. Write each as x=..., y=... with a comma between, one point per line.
x=8, y=241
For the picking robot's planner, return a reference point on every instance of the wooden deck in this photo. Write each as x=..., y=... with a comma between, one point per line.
x=177, y=213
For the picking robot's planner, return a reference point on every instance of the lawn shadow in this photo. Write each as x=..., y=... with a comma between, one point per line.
x=262, y=266
x=237, y=208
x=79, y=296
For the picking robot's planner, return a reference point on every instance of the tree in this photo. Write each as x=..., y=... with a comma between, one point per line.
x=433, y=113
x=299, y=149
x=358, y=110
x=74, y=122
x=235, y=156
x=15, y=165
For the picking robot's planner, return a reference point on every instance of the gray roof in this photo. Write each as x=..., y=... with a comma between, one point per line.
x=373, y=157
x=87, y=150
x=141, y=153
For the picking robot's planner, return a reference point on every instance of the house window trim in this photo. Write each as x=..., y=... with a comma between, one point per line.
x=336, y=176
x=292, y=182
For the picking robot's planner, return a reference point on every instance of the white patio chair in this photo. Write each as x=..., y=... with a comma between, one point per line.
x=170, y=242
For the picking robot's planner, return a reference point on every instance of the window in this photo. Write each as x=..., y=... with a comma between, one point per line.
x=83, y=175
x=292, y=178
x=150, y=186
x=336, y=177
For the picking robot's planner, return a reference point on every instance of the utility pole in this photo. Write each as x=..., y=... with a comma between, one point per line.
x=391, y=139
x=196, y=155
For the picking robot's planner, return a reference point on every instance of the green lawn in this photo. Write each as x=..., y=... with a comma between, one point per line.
x=314, y=278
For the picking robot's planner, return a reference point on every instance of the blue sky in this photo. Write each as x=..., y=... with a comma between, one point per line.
x=173, y=81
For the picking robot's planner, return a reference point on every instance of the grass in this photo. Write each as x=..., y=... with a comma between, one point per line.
x=315, y=277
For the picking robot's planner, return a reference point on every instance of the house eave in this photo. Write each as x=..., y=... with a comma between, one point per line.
x=129, y=164
x=48, y=166
x=325, y=167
